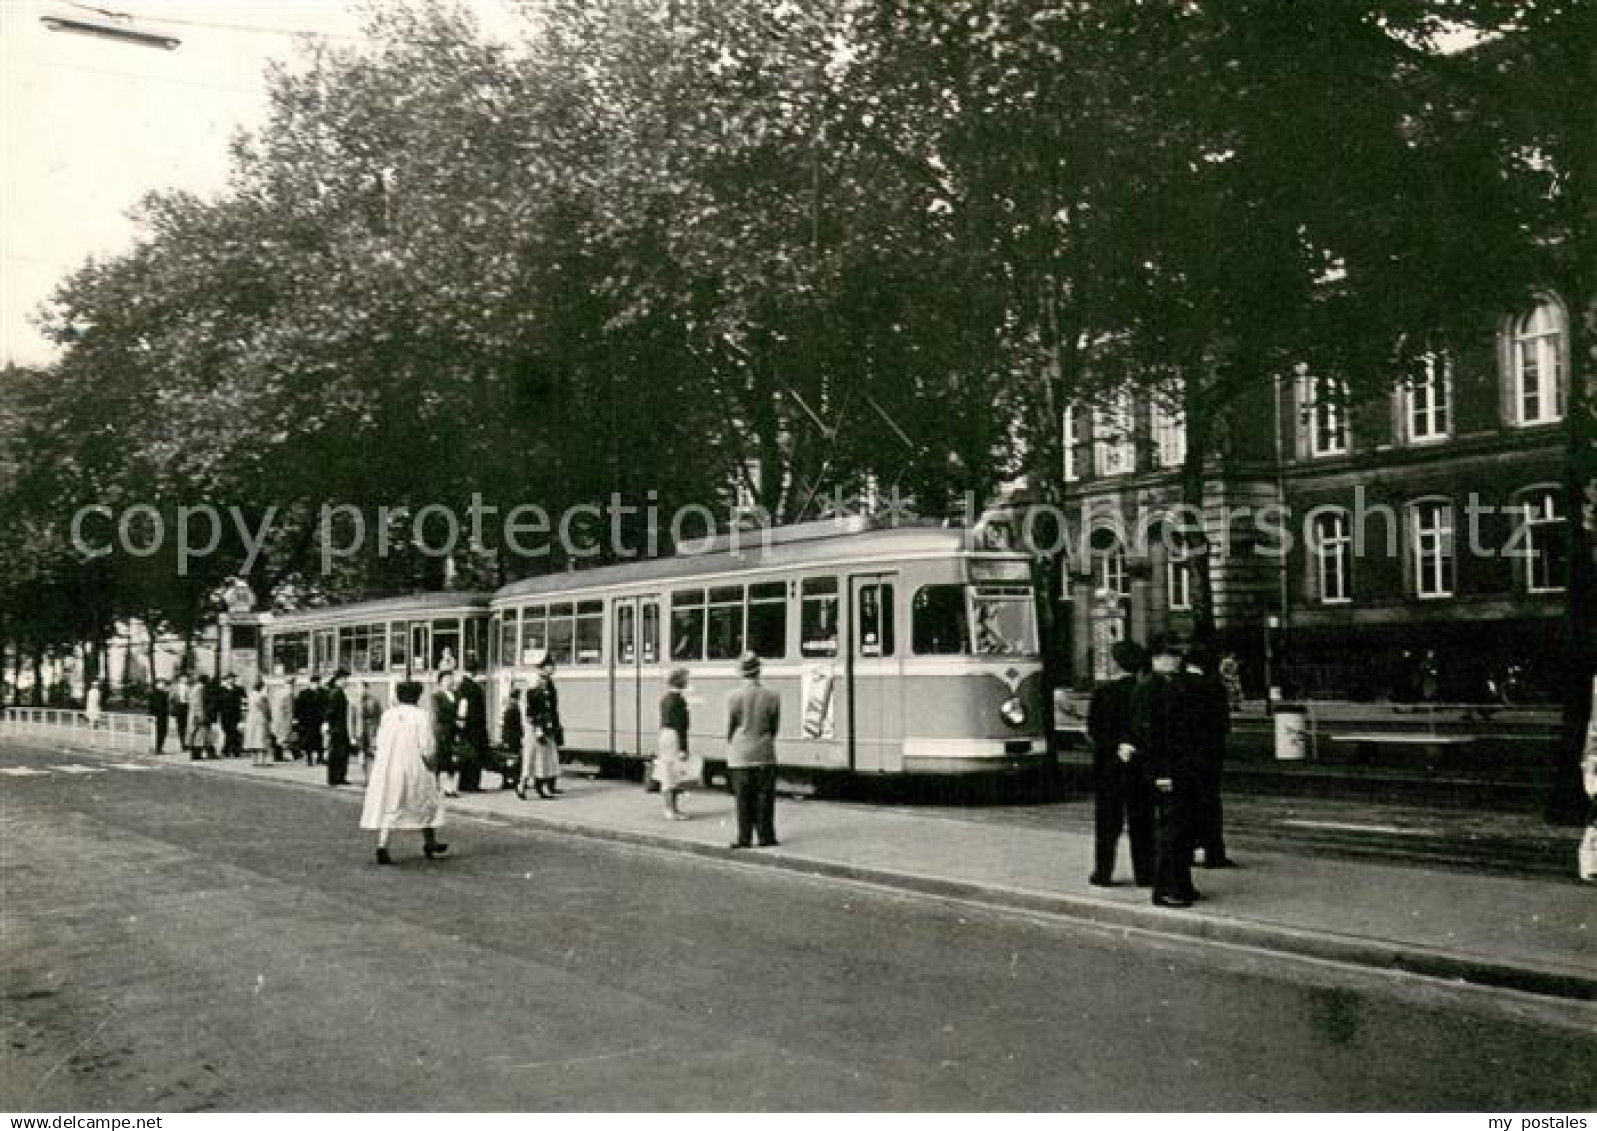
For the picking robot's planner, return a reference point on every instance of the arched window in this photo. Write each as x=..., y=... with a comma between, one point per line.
x=1332, y=548
x=1431, y=549
x=1545, y=542
x=1178, y=578
x=1109, y=563
x=1536, y=362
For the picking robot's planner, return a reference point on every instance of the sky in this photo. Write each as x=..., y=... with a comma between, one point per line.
x=89, y=126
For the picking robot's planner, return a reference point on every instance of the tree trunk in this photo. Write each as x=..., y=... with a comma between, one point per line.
x=149, y=648
x=1199, y=425
x=1567, y=803
x=38, y=676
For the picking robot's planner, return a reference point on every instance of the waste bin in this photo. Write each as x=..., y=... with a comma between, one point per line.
x=1292, y=740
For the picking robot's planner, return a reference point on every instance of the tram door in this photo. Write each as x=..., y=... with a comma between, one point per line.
x=875, y=686
x=635, y=678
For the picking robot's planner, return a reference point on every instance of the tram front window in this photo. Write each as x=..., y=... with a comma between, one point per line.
x=953, y=620
x=1004, y=621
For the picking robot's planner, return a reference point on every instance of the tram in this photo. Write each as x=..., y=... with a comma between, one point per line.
x=380, y=642
x=894, y=651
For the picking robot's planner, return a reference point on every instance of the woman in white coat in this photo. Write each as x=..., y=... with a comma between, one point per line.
x=402, y=792
x=257, y=725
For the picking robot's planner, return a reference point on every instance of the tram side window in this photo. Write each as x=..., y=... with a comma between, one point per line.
x=767, y=626
x=725, y=623
x=377, y=647
x=476, y=642
x=399, y=647
x=818, y=617
x=626, y=634
x=562, y=633
x=938, y=627
x=446, y=645
x=651, y=633
x=590, y=632
x=509, y=631
x=687, y=625
x=291, y=653
x=534, y=632
x=876, y=620
x=326, y=649
x=420, y=649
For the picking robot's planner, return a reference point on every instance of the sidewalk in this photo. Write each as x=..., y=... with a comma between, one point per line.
x=1527, y=934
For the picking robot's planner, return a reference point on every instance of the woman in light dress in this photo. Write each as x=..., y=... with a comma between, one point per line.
x=673, y=766
x=257, y=725
x=542, y=733
x=402, y=792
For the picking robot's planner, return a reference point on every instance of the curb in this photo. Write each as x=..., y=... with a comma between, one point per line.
x=1352, y=950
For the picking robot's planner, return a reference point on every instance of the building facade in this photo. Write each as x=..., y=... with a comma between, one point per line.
x=1405, y=543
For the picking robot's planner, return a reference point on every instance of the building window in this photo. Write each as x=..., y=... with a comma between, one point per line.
x=1536, y=353
x=1333, y=558
x=1431, y=523
x=1109, y=572
x=1546, y=544
x=1178, y=578
x=1114, y=450
x=1427, y=400
x=1169, y=425
x=1068, y=427
x=1325, y=415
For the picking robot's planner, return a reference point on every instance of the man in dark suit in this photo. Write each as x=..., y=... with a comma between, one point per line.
x=754, y=715
x=179, y=697
x=230, y=713
x=1208, y=818
x=310, y=711
x=1121, y=799
x=442, y=710
x=160, y=707
x=471, y=714
x=1167, y=711
x=336, y=709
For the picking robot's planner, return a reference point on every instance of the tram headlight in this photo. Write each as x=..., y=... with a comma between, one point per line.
x=1013, y=711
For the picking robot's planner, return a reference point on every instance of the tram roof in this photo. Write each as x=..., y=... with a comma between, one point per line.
x=385, y=607
x=887, y=546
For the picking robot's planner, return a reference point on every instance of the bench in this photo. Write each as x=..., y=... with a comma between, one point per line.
x=1436, y=748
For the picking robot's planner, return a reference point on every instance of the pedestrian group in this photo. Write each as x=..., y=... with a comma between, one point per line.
x=1159, y=734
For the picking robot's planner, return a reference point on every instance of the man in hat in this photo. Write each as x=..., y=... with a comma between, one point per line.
x=160, y=707
x=754, y=715
x=1167, y=710
x=1208, y=815
x=336, y=707
x=310, y=712
x=1121, y=799
x=442, y=711
x=230, y=713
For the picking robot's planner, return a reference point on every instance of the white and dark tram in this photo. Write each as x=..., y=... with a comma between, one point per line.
x=895, y=651
x=380, y=642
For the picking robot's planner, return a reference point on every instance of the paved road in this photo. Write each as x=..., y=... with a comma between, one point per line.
x=180, y=941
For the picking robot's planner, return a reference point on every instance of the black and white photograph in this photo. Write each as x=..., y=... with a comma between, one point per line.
x=779, y=556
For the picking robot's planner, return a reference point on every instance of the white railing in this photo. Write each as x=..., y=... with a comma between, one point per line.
x=114, y=729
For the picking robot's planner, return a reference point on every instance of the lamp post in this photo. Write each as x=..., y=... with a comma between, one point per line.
x=1271, y=693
